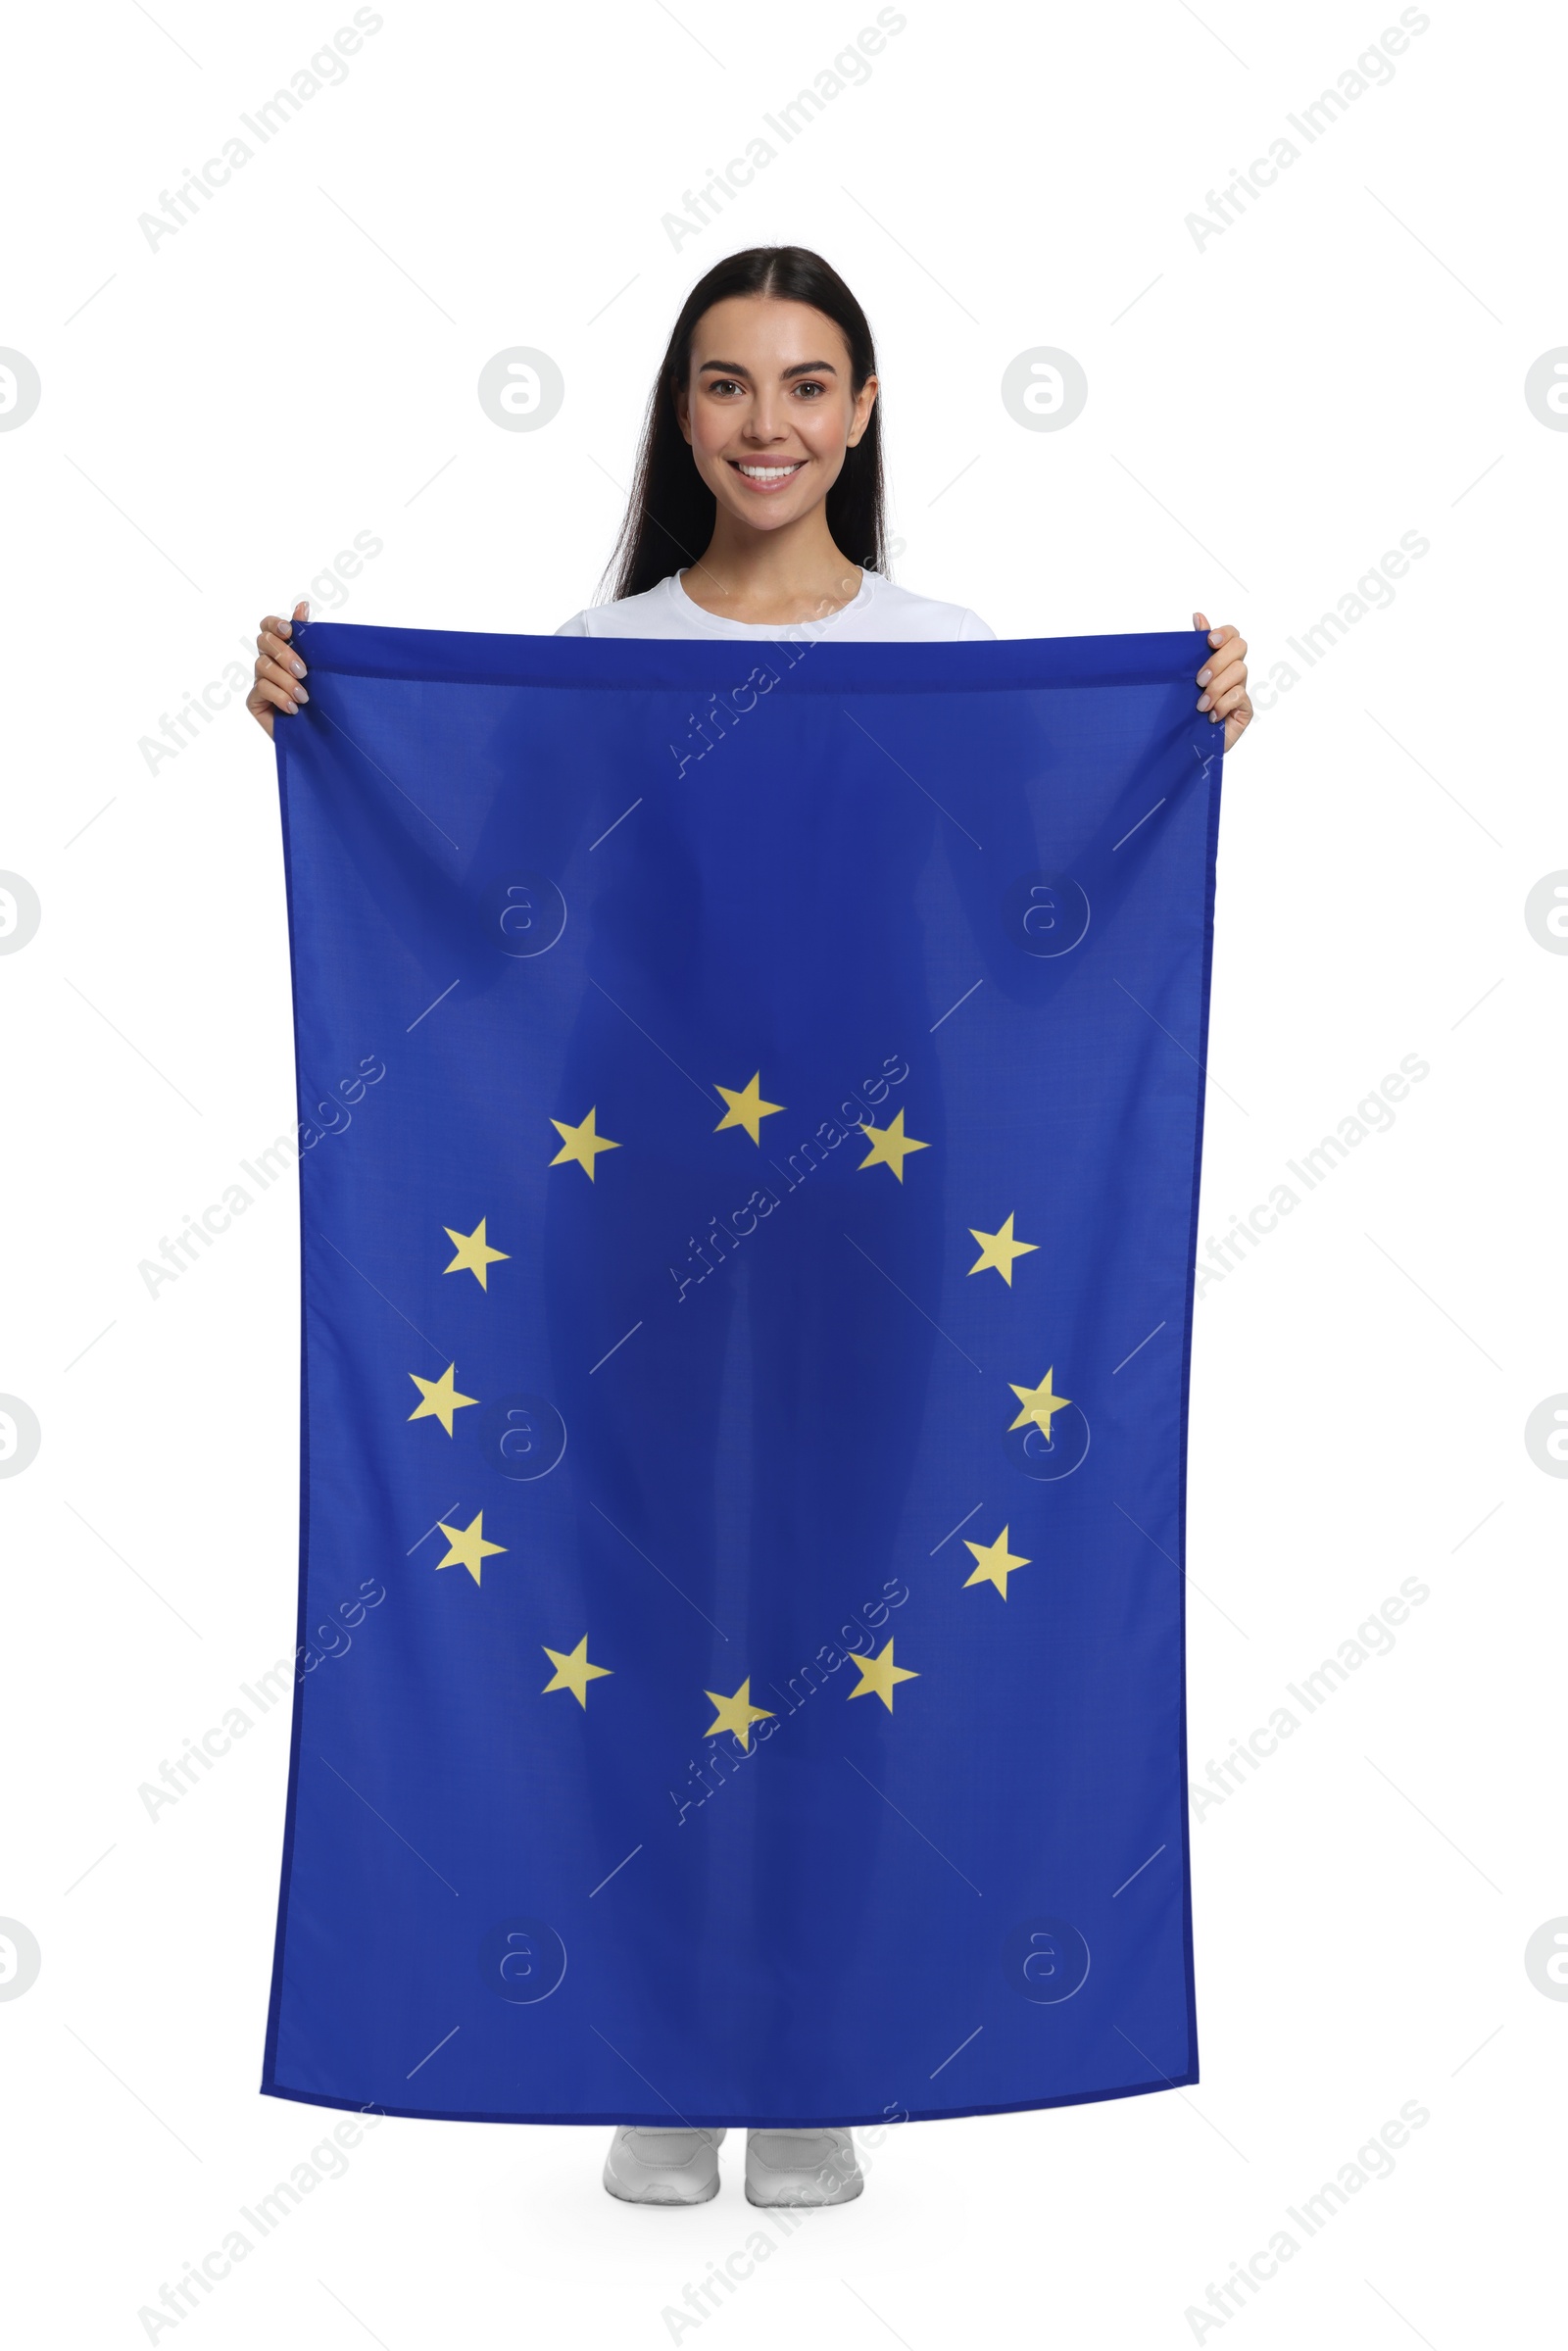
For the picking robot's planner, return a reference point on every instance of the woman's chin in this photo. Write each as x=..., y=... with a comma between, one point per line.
x=761, y=514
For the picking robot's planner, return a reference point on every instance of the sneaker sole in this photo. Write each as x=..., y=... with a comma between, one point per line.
x=666, y=2203
x=813, y=2203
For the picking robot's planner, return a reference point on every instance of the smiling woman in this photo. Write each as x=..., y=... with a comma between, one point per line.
x=761, y=465
x=758, y=508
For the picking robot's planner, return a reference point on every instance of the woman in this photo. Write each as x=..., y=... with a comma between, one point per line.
x=759, y=506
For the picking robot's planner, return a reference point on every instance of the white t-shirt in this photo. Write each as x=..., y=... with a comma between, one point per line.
x=878, y=610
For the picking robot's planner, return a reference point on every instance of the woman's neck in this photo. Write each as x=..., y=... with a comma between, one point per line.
x=773, y=576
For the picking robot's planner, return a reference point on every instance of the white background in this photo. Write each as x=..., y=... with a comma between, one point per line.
x=1268, y=414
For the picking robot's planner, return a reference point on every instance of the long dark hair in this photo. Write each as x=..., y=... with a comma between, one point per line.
x=669, y=520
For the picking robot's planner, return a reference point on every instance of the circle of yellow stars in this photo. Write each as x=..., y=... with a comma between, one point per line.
x=440, y=1399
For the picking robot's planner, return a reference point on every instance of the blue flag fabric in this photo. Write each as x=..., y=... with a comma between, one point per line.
x=750, y=1112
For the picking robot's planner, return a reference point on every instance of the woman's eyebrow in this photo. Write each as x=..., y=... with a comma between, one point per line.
x=803, y=367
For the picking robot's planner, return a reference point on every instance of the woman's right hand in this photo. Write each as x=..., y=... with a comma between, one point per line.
x=278, y=670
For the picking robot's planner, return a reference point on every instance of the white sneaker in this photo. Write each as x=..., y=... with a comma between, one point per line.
x=663, y=2167
x=801, y=2167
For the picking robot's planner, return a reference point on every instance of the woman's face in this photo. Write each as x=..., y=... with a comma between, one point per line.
x=769, y=410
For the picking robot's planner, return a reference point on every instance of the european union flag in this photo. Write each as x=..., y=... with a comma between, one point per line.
x=752, y=1100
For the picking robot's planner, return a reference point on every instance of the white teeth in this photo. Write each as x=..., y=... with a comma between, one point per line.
x=771, y=473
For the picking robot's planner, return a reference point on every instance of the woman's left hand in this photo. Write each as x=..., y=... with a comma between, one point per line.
x=1222, y=681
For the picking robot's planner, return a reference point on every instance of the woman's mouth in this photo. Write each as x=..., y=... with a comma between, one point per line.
x=758, y=476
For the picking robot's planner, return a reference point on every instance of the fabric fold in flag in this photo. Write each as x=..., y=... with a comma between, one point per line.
x=751, y=1106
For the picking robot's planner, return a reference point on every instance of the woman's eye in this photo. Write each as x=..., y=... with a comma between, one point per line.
x=815, y=389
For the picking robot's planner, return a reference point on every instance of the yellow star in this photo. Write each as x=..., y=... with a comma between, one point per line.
x=474, y=1254
x=581, y=1144
x=999, y=1250
x=746, y=1109
x=736, y=1714
x=574, y=1673
x=470, y=1548
x=994, y=1563
x=1037, y=1403
x=879, y=1674
x=439, y=1399
x=890, y=1147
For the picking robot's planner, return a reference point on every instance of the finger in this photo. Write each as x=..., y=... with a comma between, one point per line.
x=277, y=698
x=1198, y=621
x=1220, y=682
x=271, y=646
x=287, y=689
x=1229, y=649
x=302, y=611
x=1227, y=704
x=279, y=673
x=264, y=693
x=283, y=674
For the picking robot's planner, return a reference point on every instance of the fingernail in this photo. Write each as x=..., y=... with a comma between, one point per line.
x=299, y=693
x=1212, y=716
x=288, y=628
x=1202, y=701
x=299, y=670
x=1214, y=636
x=1204, y=676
